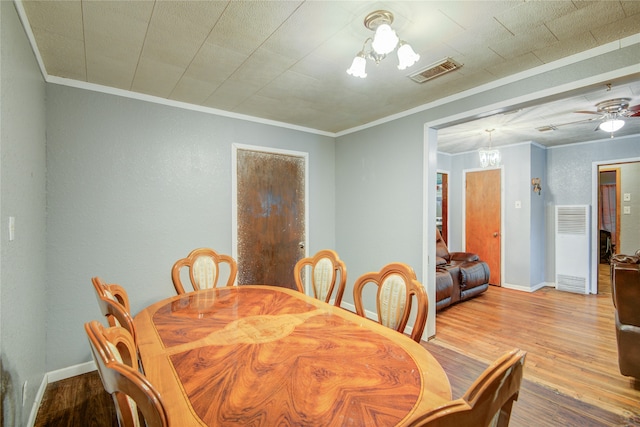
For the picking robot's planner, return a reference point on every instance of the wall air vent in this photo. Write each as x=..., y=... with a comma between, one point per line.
x=572, y=248
x=434, y=70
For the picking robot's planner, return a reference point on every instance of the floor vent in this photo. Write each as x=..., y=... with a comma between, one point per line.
x=434, y=70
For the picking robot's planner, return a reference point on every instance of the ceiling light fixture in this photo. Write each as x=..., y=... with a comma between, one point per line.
x=489, y=156
x=614, y=110
x=384, y=41
x=611, y=125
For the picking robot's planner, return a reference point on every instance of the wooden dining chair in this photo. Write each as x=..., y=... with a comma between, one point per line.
x=137, y=401
x=489, y=400
x=326, y=267
x=114, y=304
x=204, y=269
x=397, y=285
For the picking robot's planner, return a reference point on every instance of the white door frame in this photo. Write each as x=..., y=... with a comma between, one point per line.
x=595, y=227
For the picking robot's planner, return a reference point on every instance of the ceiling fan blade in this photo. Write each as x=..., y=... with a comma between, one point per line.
x=555, y=126
x=587, y=112
x=634, y=108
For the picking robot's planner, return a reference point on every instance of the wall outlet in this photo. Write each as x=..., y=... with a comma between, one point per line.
x=627, y=210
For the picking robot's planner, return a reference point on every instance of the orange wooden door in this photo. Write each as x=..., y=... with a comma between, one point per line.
x=271, y=217
x=482, y=219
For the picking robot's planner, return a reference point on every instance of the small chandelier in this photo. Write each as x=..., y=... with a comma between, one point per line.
x=489, y=156
x=384, y=41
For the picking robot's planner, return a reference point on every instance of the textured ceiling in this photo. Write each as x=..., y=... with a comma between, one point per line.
x=286, y=60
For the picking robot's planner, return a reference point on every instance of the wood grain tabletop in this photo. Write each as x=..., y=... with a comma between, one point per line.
x=270, y=356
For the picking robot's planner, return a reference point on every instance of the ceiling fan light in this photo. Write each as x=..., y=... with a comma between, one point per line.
x=611, y=125
x=406, y=56
x=358, y=66
x=384, y=40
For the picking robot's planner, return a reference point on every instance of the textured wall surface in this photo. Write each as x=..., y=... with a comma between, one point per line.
x=570, y=179
x=133, y=186
x=23, y=292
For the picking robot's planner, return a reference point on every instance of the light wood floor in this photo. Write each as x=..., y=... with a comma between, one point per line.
x=570, y=340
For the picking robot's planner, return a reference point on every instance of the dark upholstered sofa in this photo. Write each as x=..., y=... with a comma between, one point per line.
x=459, y=275
x=625, y=290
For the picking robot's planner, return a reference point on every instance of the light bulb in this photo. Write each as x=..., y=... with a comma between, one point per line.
x=611, y=125
x=358, y=66
x=406, y=56
x=385, y=39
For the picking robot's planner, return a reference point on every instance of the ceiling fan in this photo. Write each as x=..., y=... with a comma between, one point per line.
x=612, y=112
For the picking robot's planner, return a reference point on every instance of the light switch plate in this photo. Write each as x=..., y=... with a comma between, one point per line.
x=518, y=204
x=627, y=210
x=12, y=228
x=626, y=197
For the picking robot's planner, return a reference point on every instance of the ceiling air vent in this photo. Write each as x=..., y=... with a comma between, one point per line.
x=434, y=70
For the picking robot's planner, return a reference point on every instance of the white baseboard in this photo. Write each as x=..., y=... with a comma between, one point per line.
x=51, y=377
x=71, y=371
x=36, y=404
x=348, y=306
x=524, y=288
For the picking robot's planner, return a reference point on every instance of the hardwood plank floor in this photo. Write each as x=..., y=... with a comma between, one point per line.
x=79, y=401
x=571, y=374
x=570, y=340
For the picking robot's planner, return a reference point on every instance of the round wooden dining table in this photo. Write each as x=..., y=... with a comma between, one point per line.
x=271, y=356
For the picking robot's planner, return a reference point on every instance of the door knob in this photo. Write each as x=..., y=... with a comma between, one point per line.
x=495, y=234
x=301, y=245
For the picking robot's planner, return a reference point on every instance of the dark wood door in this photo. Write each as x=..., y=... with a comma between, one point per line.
x=271, y=217
x=482, y=219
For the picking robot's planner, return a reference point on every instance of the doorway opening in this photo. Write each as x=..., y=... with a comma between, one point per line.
x=615, y=226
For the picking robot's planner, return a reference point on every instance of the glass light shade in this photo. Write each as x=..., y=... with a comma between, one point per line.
x=385, y=40
x=406, y=56
x=611, y=125
x=489, y=157
x=358, y=67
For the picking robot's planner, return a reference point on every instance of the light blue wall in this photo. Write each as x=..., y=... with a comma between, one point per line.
x=538, y=217
x=23, y=279
x=566, y=173
x=379, y=199
x=570, y=180
x=133, y=186
x=516, y=222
